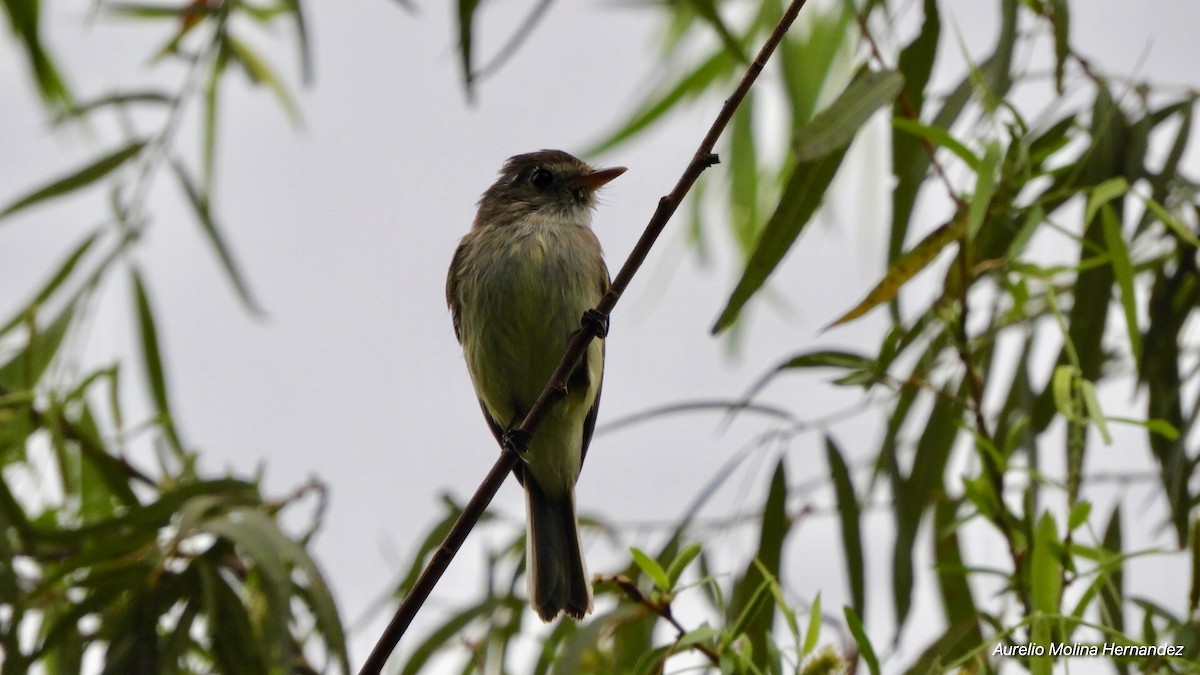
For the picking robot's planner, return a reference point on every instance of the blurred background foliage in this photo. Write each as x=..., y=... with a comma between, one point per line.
x=162, y=569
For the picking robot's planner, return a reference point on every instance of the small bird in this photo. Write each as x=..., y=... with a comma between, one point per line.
x=519, y=284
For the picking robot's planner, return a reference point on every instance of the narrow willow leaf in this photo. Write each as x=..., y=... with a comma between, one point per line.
x=297, y=12
x=916, y=494
x=260, y=72
x=690, y=86
x=1034, y=218
x=1079, y=515
x=230, y=628
x=834, y=127
x=118, y=100
x=824, y=358
x=1063, y=386
x=1194, y=594
x=55, y=282
x=1045, y=569
x=985, y=187
x=80, y=178
x=1061, y=18
x=1172, y=223
x=813, y=633
x=904, y=269
x=152, y=360
x=910, y=168
x=1102, y=194
x=938, y=136
x=1122, y=265
x=466, y=42
x=1091, y=406
x=957, y=600
x=752, y=592
x=200, y=206
x=445, y=634
x=29, y=364
x=916, y=60
x=651, y=568
x=860, y=638
x=1112, y=593
x=743, y=167
x=681, y=562
x=209, y=136
x=849, y=513
x=256, y=535
x=707, y=10
x=801, y=196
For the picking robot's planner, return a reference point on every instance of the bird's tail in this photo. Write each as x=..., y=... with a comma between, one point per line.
x=556, y=572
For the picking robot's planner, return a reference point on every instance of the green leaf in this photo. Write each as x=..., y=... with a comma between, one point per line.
x=1169, y=220
x=707, y=10
x=651, y=568
x=985, y=187
x=1045, y=568
x=466, y=41
x=1091, y=405
x=1079, y=515
x=1104, y=193
x=152, y=360
x=915, y=494
x=119, y=100
x=860, y=638
x=813, y=633
x=689, y=86
x=938, y=136
x=28, y=365
x=208, y=141
x=200, y=206
x=78, y=179
x=1061, y=18
x=750, y=594
x=957, y=601
x=834, y=127
x=904, y=269
x=255, y=533
x=1194, y=594
x=681, y=562
x=54, y=283
x=25, y=20
x=260, y=72
x=849, y=513
x=801, y=196
x=1122, y=265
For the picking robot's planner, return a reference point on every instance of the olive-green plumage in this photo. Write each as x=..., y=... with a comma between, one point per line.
x=518, y=285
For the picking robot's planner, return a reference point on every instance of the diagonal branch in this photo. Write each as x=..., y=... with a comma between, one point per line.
x=509, y=458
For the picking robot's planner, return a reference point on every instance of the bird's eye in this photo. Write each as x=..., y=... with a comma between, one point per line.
x=540, y=178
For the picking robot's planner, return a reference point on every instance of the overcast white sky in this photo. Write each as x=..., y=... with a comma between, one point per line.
x=346, y=228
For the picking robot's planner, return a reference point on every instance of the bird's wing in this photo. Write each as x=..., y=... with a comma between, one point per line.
x=452, y=291
x=589, y=422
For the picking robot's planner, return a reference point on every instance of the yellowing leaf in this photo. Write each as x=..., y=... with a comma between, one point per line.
x=905, y=269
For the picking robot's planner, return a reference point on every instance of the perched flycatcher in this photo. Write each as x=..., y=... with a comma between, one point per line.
x=518, y=286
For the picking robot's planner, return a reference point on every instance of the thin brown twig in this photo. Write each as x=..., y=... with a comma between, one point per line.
x=662, y=609
x=909, y=111
x=509, y=457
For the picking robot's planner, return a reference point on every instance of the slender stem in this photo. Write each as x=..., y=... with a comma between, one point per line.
x=701, y=160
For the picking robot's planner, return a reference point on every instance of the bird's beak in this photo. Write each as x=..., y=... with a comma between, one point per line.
x=597, y=179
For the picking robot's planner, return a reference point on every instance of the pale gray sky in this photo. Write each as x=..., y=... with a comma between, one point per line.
x=346, y=228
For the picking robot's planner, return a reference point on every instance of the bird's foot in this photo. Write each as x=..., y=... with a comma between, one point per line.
x=516, y=440
x=595, y=322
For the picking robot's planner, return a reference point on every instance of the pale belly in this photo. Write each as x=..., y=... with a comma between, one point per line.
x=533, y=290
